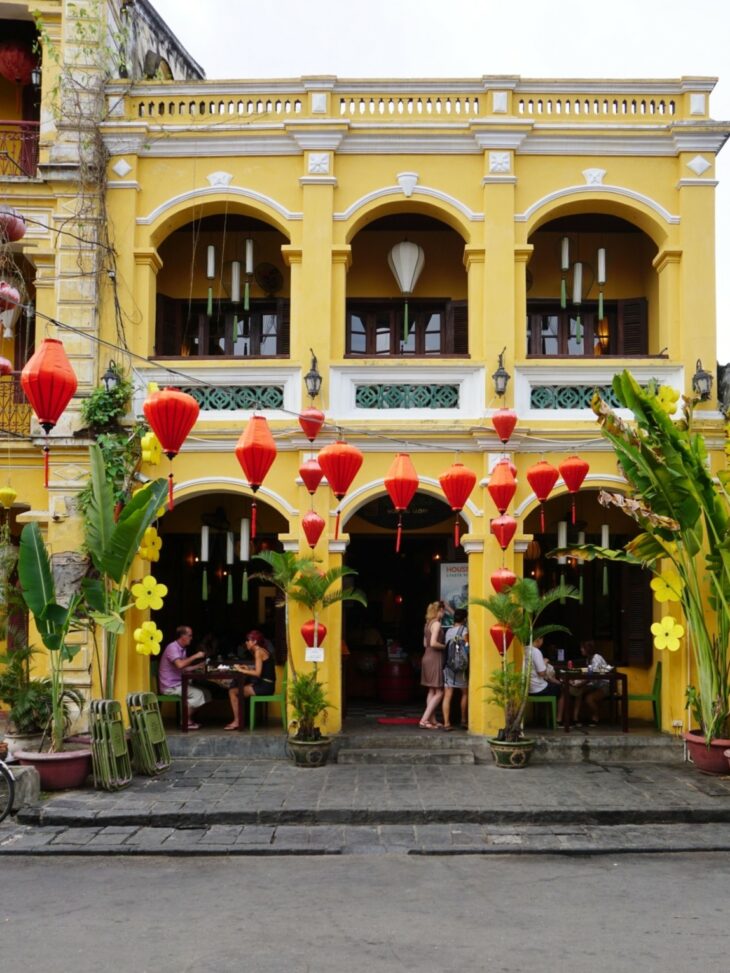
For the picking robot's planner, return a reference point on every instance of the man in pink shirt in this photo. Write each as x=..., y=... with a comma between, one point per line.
x=172, y=660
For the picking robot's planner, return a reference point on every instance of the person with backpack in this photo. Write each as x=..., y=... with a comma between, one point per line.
x=456, y=668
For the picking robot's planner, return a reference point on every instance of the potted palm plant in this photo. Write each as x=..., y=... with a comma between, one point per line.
x=299, y=580
x=517, y=610
x=684, y=515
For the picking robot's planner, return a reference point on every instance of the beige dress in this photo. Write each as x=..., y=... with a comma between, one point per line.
x=432, y=664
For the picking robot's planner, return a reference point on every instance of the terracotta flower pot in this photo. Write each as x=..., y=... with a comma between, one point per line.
x=710, y=760
x=58, y=771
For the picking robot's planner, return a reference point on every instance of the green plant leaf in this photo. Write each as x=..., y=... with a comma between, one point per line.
x=34, y=572
x=110, y=621
x=129, y=530
x=94, y=593
x=100, y=511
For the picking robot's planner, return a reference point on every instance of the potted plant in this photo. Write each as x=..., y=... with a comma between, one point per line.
x=28, y=699
x=517, y=610
x=299, y=580
x=684, y=514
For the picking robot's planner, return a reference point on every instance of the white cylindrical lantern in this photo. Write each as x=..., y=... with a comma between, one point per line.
x=245, y=539
x=581, y=537
x=605, y=536
x=562, y=539
x=236, y=281
x=210, y=262
x=229, y=547
x=577, y=282
x=406, y=260
x=204, y=543
x=249, y=256
x=565, y=253
x=602, y=265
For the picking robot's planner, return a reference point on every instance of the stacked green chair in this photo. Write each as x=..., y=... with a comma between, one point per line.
x=109, y=751
x=150, y=752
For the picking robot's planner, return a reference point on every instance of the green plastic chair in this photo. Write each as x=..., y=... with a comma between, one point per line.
x=552, y=702
x=654, y=697
x=279, y=697
x=175, y=698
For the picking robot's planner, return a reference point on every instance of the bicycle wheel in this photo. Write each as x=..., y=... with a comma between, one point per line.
x=7, y=791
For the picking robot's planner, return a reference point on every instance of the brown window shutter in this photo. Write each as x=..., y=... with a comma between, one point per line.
x=635, y=605
x=282, y=313
x=633, y=331
x=458, y=312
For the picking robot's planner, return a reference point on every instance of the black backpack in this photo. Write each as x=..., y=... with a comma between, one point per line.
x=457, y=652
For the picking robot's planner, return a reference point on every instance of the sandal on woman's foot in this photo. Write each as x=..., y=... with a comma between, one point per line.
x=231, y=726
x=193, y=726
x=447, y=728
x=425, y=725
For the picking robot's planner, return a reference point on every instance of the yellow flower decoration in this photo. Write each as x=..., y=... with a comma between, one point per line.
x=152, y=387
x=161, y=512
x=667, y=587
x=667, y=632
x=151, y=545
x=151, y=449
x=147, y=639
x=148, y=593
x=668, y=398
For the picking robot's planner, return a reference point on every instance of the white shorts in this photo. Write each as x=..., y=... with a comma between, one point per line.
x=197, y=697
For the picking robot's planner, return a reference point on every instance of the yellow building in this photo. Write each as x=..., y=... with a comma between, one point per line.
x=251, y=224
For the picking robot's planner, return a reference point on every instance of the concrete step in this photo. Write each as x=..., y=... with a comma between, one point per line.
x=408, y=755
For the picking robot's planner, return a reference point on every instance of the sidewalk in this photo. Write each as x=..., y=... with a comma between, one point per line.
x=262, y=806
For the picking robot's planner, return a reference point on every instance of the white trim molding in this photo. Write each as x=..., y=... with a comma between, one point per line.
x=631, y=194
x=398, y=190
x=203, y=191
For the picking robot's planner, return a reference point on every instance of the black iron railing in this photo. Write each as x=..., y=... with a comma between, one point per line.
x=14, y=409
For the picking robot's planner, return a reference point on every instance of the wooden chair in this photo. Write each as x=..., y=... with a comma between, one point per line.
x=552, y=702
x=175, y=698
x=279, y=697
x=654, y=697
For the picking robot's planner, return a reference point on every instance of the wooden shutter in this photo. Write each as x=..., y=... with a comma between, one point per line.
x=167, y=326
x=282, y=313
x=635, y=607
x=633, y=330
x=458, y=318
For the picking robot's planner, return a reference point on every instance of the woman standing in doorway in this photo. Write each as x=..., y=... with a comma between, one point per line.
x=432, y=664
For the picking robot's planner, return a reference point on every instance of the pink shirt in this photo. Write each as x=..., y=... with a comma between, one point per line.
x=168, y=674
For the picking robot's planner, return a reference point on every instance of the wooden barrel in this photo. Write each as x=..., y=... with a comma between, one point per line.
x=395, y=681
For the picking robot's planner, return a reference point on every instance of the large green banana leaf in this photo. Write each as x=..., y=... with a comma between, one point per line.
x=129, y=530
x=100, y=512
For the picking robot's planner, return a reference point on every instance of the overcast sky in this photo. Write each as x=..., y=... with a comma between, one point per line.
x=469, y=38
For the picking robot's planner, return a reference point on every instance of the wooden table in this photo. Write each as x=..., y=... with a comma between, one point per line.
x=615, y=680
x=207, y=674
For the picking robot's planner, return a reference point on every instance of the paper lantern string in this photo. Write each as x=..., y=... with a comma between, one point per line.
x=46, y=458
x=398, y=533
x=337, y=524
x=253, y=520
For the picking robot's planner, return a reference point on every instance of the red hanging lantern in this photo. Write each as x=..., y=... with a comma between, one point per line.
x=340, y=463
x=504, y=528
x=17, y=62
x=573, y=471
x=401, y=484
x=255, y=451
x=502, y=486
x=49, y=383
x=311, y=473
x=457, y=483
x=312, y=525
x=6, y=367
x=542, y=477
x=9, y=296
x=311, y=630
x=12, y=225
x=504, y=422
x=502, y=635
x=311, y=421
x=502, y=578
x=171, y=415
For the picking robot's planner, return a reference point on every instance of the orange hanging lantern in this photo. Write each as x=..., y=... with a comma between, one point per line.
x=504, y=422
x=12, y=225
x=340, y=463
x=311, y=421
x=49, y=383
x=311, y=474
x=504, y=528
x=457, y=483
x=542, y=477
x=401, y=484
x=312, y=525
x=573, y=471
x=313, y=633
x=6, y=367
x=502, y=578
x=255, y=451
x=502, y=636
x=502, y=486
x=171, y=415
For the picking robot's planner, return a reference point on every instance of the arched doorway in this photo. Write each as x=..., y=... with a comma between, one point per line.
x=398, y=586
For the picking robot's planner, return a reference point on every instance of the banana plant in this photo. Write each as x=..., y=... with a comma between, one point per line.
x=112, y=546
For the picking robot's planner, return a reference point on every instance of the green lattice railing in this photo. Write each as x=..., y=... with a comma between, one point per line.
x=570, y=396
x=407, y=396
x=231, y=398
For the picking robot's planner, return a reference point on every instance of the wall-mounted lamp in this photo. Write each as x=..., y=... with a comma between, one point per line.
x=313, y=380
x=35, y=76
x=501, y=376
x=702, y=382
x=110, y=378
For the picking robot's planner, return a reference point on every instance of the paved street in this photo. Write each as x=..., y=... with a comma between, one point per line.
x=367, y=914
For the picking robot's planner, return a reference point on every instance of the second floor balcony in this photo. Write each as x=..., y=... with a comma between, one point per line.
x=19, y=148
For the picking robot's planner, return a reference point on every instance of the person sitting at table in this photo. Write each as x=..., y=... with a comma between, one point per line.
x=261, y=673
x=543, y=681
x=593, y=691
x=173, y=659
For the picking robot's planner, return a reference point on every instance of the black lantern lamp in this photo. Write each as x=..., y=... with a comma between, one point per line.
x=110, y=378
x=702, y=382
x=35, y=76
x=501, y=376
x=313, y=380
